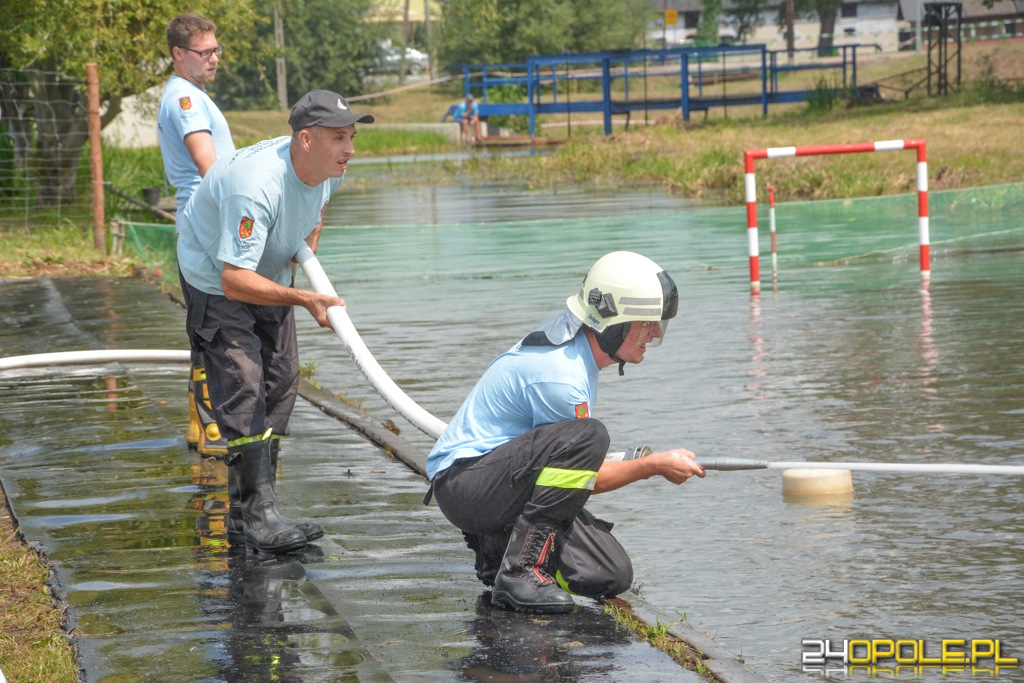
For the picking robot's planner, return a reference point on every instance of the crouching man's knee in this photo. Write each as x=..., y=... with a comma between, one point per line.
x=605, y=583
x=590, y=561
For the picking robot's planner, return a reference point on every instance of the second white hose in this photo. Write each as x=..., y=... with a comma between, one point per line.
x=364, y=360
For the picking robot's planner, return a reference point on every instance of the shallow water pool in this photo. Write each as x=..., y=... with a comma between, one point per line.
x=846, y=356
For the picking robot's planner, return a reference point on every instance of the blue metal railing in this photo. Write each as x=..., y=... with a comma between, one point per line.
x=697, y=69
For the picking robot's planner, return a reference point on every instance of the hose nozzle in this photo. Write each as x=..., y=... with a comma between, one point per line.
x=727, y=464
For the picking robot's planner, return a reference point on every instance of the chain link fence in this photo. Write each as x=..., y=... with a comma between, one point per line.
x=44, y=136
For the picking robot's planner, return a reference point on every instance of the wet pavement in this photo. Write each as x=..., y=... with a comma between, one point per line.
x=96, y=469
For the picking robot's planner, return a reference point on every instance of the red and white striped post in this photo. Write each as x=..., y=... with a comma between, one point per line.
x=750, y=191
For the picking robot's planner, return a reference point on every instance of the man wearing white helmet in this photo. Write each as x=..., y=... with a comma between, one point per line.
x=517, y=463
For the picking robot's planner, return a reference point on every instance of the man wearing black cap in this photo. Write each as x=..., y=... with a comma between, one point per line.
x=238, y=234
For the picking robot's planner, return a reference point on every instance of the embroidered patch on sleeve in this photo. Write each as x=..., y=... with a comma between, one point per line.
x=245, y=228
x=582, y=410
x=185, y=102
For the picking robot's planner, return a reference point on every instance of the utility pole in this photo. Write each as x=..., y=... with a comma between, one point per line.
x=664, y=26
x=919, y=4
x=405, y=43
x=430, y=42
x=282, y=75
x=790, y=38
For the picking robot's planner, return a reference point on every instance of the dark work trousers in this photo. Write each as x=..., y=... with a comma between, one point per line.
x=195, y=353
x=251, y=357
x=484, y=496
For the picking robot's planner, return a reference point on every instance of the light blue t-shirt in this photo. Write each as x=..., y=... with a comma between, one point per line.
x=524, y=388
x=186, y=108
x=460, y=111
x=252, y=211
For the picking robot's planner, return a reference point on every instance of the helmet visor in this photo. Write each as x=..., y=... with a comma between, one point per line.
x=651, y=331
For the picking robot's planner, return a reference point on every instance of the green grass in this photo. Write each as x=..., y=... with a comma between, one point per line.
x=130, y=170
x=62, y=249
x=33, y=648
x=386, y=141
x=659, y=637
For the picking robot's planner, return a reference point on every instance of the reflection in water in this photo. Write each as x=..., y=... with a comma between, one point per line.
x=210, y=500
x=519, y=648
x=926, y=348
x=257, y=642
x=276, y=625
x=514, y=647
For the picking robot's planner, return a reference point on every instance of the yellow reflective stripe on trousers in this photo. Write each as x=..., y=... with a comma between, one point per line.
x=253, y=439
x=560, y=580
x=567, y=479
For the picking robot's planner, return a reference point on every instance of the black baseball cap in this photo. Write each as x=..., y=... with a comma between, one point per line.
x=324, y=108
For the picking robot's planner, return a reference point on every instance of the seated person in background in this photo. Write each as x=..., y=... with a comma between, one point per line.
x=467, y=115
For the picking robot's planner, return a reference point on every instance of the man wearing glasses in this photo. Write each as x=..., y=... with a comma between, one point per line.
x=518, y=462
x=193, y=135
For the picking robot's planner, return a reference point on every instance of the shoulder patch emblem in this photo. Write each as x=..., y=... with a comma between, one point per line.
x=582, y=410
x=245, y=228
x=185, y=102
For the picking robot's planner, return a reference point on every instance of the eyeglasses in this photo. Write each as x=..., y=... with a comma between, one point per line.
x=206, y=54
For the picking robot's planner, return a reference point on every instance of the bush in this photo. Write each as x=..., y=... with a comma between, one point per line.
x=825, y=95
x=510, y=93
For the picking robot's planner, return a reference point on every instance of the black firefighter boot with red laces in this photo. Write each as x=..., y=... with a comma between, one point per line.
x=522, y=583
x=264, y=529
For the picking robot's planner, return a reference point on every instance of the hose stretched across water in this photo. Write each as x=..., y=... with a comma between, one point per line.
x=728, y=464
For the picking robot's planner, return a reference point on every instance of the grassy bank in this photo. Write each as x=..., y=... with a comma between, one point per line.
x=56, y=251
x=707, y=161
x=32, y=644
x=971, y=136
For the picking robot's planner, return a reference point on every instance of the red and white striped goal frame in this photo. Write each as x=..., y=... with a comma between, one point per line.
x=750, y=191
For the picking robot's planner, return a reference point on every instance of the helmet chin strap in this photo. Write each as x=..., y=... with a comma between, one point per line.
x=612, y=345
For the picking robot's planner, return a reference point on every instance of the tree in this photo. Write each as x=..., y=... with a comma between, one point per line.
x=826, y=11
x=497, y=31
x=747, y=16
x=707, y=29
x=328, y=44
x=49, y=42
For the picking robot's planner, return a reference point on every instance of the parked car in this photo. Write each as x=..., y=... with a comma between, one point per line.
x=416, y=62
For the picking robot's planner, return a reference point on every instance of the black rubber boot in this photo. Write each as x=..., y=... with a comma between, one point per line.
x=234, y=524
x=522, y=583
x=311, y=529
x=263, y=528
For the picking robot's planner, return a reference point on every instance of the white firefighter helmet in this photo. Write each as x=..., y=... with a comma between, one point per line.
x=622, y=287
